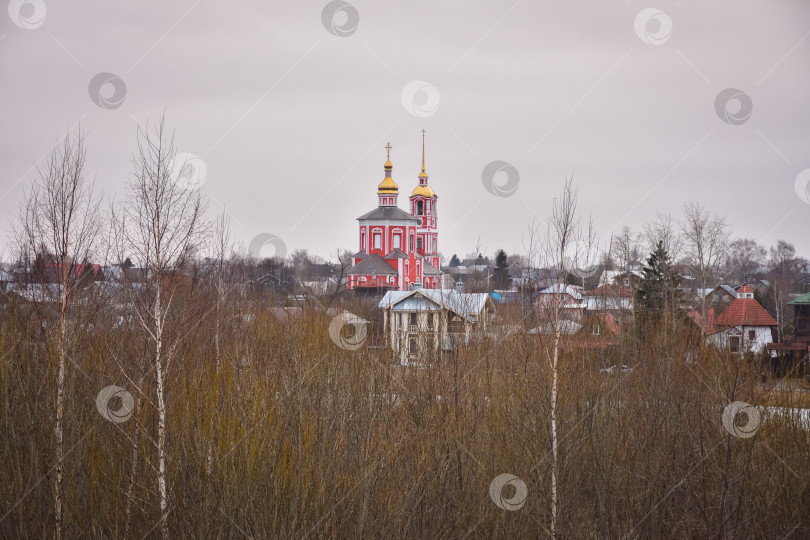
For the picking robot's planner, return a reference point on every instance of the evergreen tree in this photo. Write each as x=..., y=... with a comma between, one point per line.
x=501, y=275
x=454, y=261
x=658, y=294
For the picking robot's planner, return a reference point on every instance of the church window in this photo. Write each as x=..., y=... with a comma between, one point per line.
x=396, y=241
x=419, y=208
x=377, y=241
x=419, y=243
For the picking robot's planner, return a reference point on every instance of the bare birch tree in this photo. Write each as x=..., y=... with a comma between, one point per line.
x=664, y=228
x=528, y=282
x=744, y=256
x=563, y=230
x=222, y=273
x=58, y=229
x=787, y=268
x=706, y=245
x=626, y=250
x=161, y=224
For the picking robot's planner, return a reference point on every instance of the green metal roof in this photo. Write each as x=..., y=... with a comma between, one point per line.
x=803, y=299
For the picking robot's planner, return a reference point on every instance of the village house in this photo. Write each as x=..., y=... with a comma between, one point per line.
x=609, y=298
x=796, y=350
x=569, y=298
x=6, y=279
x=432, y=320
x=599, y=331
x=744, y=326
x=630, y=278
x=719, y=297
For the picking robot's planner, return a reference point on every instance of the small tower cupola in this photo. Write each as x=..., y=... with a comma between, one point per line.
x=388, y=190
x=744, y=291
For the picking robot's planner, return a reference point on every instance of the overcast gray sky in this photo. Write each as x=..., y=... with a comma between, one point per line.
x=291, y=119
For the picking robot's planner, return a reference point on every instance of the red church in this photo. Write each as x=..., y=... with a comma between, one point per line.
x=398, y=250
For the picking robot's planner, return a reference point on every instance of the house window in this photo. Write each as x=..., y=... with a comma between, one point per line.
x=734, y=344
x=752, y=335
x=626, y=282
x=595, y=330
x=413, y=319
x=430, y=320
x=412, y=345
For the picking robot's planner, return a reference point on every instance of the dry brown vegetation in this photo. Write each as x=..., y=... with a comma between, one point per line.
x=178, y=401
x=310, y=440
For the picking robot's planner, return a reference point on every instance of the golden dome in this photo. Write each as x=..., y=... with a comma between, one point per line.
x=388, y=186
x=388, y=165
x=423, y=190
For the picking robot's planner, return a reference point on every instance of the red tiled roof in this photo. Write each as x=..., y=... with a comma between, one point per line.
x=744, y=312
x=77, y=269
x=708, y=324
x=611, y=290
x=744, y=288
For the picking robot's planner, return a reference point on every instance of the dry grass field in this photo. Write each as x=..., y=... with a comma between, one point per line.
x=285, y=435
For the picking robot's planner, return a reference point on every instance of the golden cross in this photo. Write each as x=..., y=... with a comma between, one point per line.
x=388, y=147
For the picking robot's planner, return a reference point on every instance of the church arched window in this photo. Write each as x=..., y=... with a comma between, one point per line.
x=420, y=208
